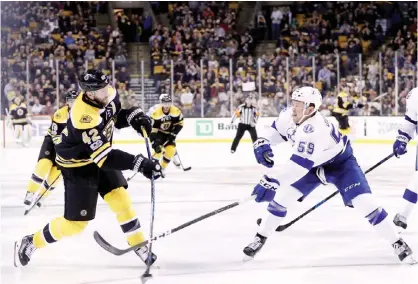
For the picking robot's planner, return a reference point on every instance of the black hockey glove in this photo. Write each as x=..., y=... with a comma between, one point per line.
x=173, y=134
x=172, y=137
x=156, y=143
x=149, y=168
x=137, y=119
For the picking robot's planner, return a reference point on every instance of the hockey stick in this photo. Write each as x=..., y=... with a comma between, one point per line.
x=27, y=211
x=116, y=251
x=285, y=226
x=181, y=164
x=147, y=273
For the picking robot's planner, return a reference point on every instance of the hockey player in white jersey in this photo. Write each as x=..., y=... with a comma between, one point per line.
x=405, y=133
x=320, y=155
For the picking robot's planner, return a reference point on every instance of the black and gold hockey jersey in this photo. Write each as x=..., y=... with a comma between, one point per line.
x=342, y=106
x=88, y=136
x=59, y=122
x=18, y=113
x=172, y=122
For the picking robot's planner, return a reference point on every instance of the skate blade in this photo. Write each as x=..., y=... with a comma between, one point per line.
x=16, y=261
x=28, y=208
x=247, y=258
x=410, y=260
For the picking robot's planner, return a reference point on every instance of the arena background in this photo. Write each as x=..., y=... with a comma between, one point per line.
x=211, y=55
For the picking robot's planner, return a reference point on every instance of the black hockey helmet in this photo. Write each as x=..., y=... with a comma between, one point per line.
x=93, y=80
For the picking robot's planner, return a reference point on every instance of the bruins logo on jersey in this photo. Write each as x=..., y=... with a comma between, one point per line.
x=165, y=125
x=85, y=118
x=20, y=112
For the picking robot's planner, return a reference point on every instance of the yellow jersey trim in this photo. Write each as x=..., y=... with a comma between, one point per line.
x=84, y=116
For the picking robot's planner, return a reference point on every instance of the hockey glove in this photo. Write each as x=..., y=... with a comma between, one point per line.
x=157, y=145
x=265, y=190
x=399, y=147
x=358, y=105
x=149, y=168
x=171, y=137
x=263, y=152
x=137, y=119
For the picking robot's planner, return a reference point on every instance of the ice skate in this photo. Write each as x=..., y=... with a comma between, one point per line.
x=29, y=199
x=176, y=161
x=404, y=252
x=23, y=251
x=143, y=255
x=253, y=248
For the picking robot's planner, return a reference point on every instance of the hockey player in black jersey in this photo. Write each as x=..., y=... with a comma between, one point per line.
x=46, y=174
x=20, y=121
x=90, y=166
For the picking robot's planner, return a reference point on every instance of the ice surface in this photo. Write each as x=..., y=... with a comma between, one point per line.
x=331, y=245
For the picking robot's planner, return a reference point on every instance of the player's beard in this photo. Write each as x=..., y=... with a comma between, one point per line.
x=97, y=102
x=102, y=103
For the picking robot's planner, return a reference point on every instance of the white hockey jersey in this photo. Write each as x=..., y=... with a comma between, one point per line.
x=315, y=142
x=409, y=125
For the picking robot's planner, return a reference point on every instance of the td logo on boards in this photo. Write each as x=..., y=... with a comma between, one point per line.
x=204, y=128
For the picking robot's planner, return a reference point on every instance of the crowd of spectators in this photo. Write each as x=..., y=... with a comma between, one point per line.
x=198, y=32
x=333, y=46
x=330, y=45
x=40, y=34
x=338, y=34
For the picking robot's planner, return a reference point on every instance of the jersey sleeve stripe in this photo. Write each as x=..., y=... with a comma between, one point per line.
x=407, y=118
x=181, y=122
x=404, y=134
x=303, y=162
x=100, y=164
x=100, y=158
x=100, y=150
x=55, y=138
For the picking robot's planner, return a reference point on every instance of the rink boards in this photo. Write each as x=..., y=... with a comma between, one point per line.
x=214, y=130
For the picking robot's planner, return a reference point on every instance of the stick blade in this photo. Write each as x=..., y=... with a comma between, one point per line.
x=279, y=228
x=146, y=277
x=187, y=169
x=282, y=228
x=106, y=246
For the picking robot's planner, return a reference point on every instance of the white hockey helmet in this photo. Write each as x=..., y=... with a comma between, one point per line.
x=309, y=96
x=164, y=98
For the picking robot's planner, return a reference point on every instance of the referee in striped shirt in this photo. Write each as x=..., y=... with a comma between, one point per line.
x=248, y=115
